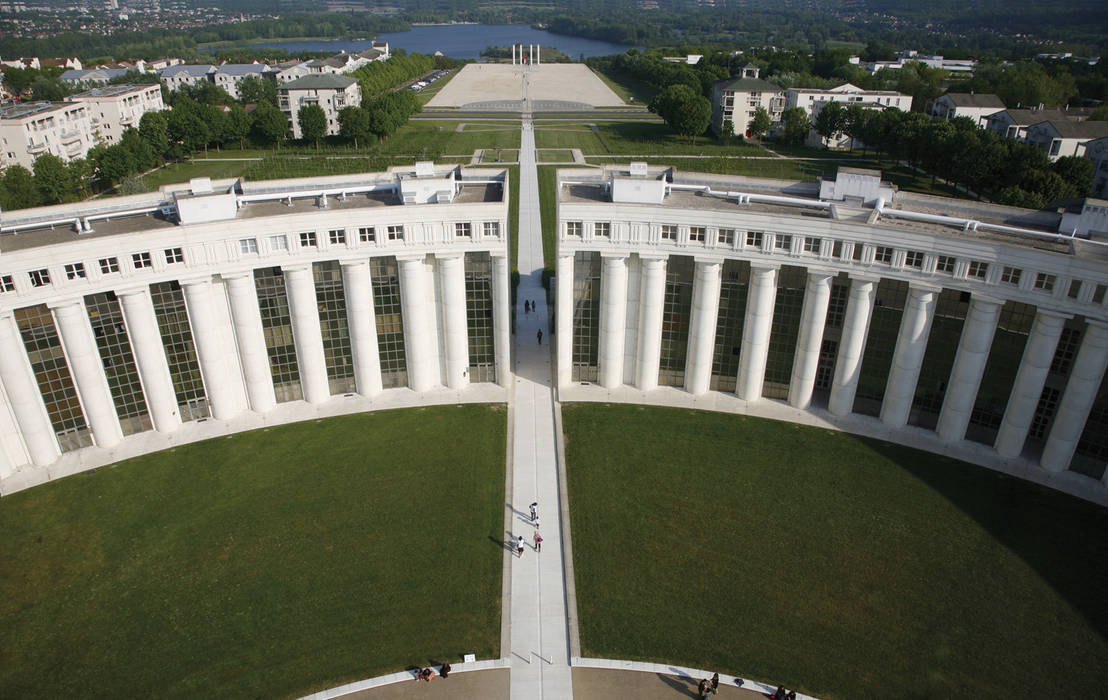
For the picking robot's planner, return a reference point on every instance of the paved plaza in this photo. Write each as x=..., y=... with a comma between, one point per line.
x=500, y=86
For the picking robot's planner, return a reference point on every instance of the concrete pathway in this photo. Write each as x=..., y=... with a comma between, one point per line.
x=539, y=634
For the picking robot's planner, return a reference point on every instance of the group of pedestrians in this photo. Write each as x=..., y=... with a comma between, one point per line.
x=536, y=537
x=529, y=307
x=708, y=686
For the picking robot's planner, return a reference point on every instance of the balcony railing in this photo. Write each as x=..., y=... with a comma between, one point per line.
x=36, y=147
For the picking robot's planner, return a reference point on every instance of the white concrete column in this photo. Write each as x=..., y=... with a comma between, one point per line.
x=762, y=297
x=24, y=396
x=969, y=367
x=613, y=319
x=911, y=342
x=210, y=351
x=1077, y=399
x=418, y=335
x=563, y=309
x=358, y=288
x=813, y=317
x=852, y=345
x=702, y=325
x=452, y=283
x=304, y=310
x=250, y=336
x=153, y=369
x=501, y=318
x=87, y=370
x=652, y=298
x=1038, y=354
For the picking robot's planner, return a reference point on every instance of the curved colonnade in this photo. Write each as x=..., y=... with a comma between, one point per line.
x=980, y=323
x=154, y=311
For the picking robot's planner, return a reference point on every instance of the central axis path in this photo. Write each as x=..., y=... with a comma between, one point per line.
x=539, y=629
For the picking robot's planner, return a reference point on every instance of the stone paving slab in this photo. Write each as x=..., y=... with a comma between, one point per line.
x=488, y=685
x=606, y=684
x=501, y=86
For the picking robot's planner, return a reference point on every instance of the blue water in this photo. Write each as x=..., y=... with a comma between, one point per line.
x=460, y=41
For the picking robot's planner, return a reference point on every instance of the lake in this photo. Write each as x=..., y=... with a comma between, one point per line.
x=460, y=41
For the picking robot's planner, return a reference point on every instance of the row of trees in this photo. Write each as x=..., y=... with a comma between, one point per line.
x=958, y=151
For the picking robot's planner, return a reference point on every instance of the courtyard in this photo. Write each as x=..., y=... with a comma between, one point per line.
x=500, y=86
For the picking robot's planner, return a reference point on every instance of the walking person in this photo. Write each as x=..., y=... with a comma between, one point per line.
x=534, y=510
x=538, y=541
x=519, y=546
x=715, y=682
x=540, y=336
x=526, y=308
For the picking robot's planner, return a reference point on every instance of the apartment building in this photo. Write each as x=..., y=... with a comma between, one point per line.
x=176, y=77
x=30, y=129
x=736, y=100
x=331, y=92
x=976, y=106
x=116, y=108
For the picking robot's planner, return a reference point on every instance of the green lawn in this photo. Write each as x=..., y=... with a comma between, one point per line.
x=508, y=155
x=556, y=156
x=266, y=564
x=841, y=566
x=629, y=89
x=548, y=202
x=635, y=138
x=513, y=213
x=183, y=172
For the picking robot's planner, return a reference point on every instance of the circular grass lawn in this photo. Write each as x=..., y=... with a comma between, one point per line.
x=264, y=564
x=837, y=565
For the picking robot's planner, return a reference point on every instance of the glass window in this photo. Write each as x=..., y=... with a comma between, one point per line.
x=883, y=255
x=307, y=239
x=75, y=271
x=385, y=274
x=367, y=234
x=180, y=350
x=729, y=324
x=174, y=255
x=279, y=242
x=669, y=233
x=273, y=304
x=463, y=230
x=7, y=284
x=783, y=241
x=753, y=239
x=39, y=278
x=698, y=234
x=811, y=244
x=140, y=260
x=586, y=316
x=249, y=246
x=479, y=317
x=331, y=299
x=945, y=265
x=1098, y=293
x=44, y=350
x=109, y=265
x=676, y=309
x=574, y=228
x=726, y=236
x=978, y=270
x=396, y=233
x=1011, y=275
x=913, y=258
x=1075, y=289
x=492, y=229
x=112, y=342
x=603, y=229
x=337, y=236
x=1044, y=282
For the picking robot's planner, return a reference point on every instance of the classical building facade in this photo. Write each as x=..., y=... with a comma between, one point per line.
x=965, y=322
x=125, y=318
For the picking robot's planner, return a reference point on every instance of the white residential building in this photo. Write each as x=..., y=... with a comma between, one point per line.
x=737, y=99
x=1065, y=138
x=847, y=94
x=178, y=76
x=92, y=76
x=1097, y=151
x=229, y=75
x=30, y=129
x=1013, y=123
x=331, y=92
x=976, y=106
x=116, y=108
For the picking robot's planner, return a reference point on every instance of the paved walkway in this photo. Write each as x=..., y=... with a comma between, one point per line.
x=539, y=635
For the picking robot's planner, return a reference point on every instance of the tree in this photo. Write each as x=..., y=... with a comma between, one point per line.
x=797, y=125
x=922, y=82
x=238, y=125
x=80, y=174
x=48, y=89
x=256, y=90
x=831, y=120
x=313, y=123
x=684, y=109
x=188, y=127
x=270, y=124
x=354, y=124
x=19, y=80
x=112, y=164
x=154, y=130
x=17, y=188
x=760, y=124
x=52, y=179
x=1100, y=114
x=1077, y=171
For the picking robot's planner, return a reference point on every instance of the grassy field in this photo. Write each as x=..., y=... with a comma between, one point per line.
x=629, y=89
x=513, y=213
x=841, y=566
x=634, y=138
x=183, y=172
x=548, y=182
x=266, y=564
x=560, y=155
x=507, y=155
